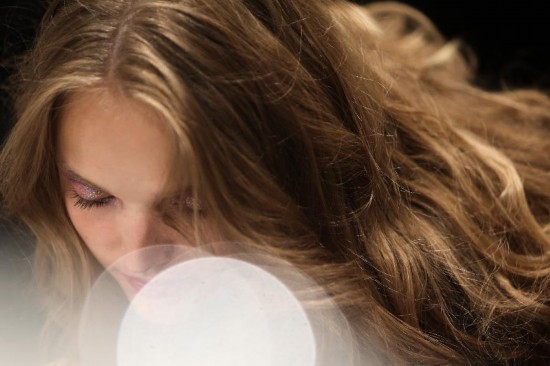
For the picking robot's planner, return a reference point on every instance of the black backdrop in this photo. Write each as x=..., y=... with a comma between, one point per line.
x=508, y=37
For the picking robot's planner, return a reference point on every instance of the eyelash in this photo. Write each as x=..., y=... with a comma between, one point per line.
x=85, y=204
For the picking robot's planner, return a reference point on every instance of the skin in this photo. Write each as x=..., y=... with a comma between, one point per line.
x=113, y=157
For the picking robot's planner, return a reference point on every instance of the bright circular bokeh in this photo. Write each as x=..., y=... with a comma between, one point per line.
x=188, y=307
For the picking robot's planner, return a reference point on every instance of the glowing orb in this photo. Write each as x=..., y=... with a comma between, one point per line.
x=191, y=308
x=215, y=311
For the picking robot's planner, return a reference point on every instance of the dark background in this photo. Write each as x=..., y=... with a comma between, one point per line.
x=510, y=38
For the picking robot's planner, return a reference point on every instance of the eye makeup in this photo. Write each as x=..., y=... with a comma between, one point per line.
x=192, y=203
x=187, y=200
x=86, y=191
x=85, y=194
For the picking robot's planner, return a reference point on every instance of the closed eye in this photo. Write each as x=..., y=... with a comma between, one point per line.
x=87, y=204
x=187, y=202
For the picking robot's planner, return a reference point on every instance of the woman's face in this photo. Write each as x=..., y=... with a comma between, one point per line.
x=113, y=156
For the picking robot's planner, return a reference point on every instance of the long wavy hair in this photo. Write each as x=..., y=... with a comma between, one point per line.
x=349, y=140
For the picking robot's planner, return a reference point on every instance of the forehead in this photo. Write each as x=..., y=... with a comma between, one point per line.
x=115, y=142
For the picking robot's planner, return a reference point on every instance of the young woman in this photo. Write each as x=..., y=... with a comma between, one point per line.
x=346, y=140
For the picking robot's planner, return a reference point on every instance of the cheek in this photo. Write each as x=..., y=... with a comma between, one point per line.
x=96, y=230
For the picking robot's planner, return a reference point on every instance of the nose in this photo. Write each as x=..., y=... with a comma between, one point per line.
x=142, y=234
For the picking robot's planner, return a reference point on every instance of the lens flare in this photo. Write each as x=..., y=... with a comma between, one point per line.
x=188, y=307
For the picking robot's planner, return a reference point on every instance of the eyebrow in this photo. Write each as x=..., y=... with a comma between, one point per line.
x=72, y=175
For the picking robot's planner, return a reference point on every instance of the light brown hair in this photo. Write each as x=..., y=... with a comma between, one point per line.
x=348, y=140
